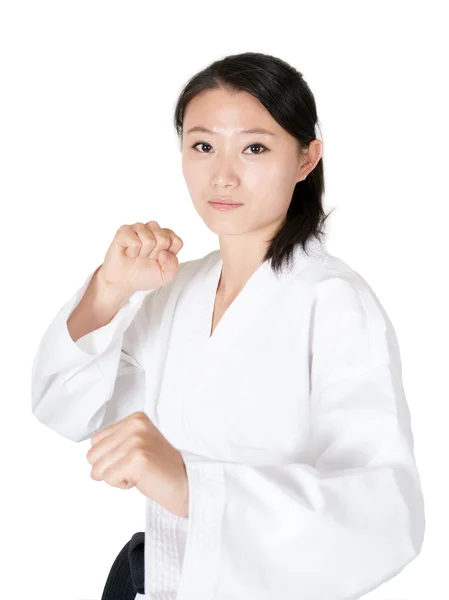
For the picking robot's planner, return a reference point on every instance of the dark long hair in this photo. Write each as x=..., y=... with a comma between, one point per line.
x=284, y=93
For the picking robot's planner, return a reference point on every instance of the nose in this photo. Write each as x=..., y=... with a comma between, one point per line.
x=224, y=174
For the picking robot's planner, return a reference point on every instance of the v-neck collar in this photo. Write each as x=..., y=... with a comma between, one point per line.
x=262, y=285
x=204, y=353
x=211, y=285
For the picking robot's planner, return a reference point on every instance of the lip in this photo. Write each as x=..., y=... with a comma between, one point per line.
x=224, y=205
x=224, y=200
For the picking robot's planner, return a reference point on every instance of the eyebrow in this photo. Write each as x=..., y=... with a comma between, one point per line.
x=257, y=130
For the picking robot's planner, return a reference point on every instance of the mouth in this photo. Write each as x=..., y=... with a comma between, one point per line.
x=224, y=205
x=224, y=200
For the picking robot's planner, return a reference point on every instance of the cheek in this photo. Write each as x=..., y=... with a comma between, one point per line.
x=194, y=176
x=273, y=193
x=270, y=207
x=271, y=179
x=186, y=169
x=264, y=174
x=280, y=181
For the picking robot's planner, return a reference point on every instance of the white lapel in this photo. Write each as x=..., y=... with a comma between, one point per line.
x=261, y=288
x=193, y=356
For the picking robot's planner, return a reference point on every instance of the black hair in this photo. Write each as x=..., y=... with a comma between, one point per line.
x=282, y=90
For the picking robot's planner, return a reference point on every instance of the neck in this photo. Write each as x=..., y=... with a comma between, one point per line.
x=239, y=262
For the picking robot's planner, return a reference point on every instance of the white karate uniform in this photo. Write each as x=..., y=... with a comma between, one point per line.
x=291, y=419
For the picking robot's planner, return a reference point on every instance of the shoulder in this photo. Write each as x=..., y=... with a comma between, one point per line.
x=335, y=278
x=328, y=278
x=344, y=303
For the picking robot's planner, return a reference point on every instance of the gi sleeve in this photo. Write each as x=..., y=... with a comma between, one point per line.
x=339, y=525
x=79, y=387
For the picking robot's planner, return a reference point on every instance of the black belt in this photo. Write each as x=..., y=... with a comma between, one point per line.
x=127, y=575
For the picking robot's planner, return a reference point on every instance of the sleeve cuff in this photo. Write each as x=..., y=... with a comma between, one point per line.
x=96, y=342
x=57, y=350
x=206, y=509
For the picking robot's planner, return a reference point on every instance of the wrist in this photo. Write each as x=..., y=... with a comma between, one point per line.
x=108, y=294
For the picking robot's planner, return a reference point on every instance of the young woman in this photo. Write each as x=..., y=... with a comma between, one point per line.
x=253, y=395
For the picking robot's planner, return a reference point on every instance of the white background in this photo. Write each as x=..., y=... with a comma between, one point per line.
x=87, y=144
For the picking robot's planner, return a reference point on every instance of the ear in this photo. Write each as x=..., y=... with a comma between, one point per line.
x=311, y=157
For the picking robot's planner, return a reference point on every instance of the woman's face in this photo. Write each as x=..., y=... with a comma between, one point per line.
x=259, y=170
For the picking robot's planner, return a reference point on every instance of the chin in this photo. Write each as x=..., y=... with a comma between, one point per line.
x=226, y=228
x=221, y=223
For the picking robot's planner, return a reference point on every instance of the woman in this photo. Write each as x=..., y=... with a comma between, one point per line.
x=269, y=368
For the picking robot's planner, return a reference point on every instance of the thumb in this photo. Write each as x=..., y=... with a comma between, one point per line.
x=164, y=257
x=168, y=262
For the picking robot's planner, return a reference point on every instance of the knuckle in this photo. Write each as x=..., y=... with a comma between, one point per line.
x=146, y=237
x=175, y=239
x=164, y=241
x=139, y=421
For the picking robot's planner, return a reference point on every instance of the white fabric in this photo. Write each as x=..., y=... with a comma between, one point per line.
x=291, y=418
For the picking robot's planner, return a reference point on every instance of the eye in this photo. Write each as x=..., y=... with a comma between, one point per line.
x=265, y=149
x=258, y=146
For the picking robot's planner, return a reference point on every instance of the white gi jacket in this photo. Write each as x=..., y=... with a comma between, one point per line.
x=291, y=418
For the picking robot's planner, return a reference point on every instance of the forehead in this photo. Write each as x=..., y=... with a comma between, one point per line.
x=224, y=112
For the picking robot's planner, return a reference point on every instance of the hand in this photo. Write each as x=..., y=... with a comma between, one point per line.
x=141, y=257
x=134, y=453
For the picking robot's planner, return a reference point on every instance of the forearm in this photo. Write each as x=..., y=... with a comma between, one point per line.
x=97, y=307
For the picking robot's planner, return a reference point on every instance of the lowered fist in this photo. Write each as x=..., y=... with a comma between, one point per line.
x=134, y=453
